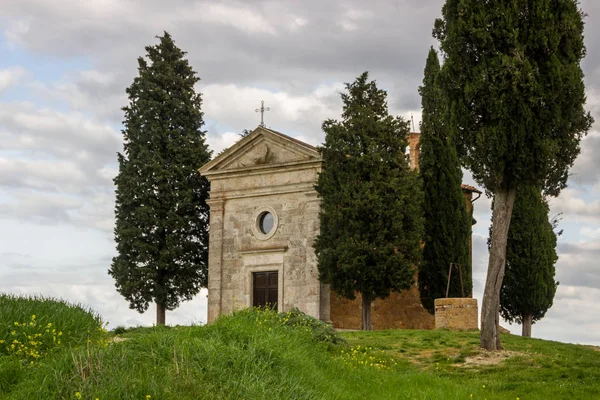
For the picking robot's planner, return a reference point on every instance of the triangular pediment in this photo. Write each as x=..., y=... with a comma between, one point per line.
x=262, y=147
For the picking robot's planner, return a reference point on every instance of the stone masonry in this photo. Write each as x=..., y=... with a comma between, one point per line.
x=456, y=313
x=269, y=172
x=264, y=172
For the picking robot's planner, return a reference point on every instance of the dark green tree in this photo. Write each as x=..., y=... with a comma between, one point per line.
x=161, y=213
x=512, y=76
x=371, y=217
x=447, y=223
x=528, y=288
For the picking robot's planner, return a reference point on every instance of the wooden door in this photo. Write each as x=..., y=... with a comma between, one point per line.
x=265, y=289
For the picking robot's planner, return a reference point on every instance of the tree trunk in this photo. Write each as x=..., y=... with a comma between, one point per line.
x=160, y=315
x=504, y=199
x=526, y=323
x=366, y=314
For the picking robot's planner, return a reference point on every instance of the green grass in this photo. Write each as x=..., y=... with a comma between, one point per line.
x=527, y=368
x=259, y=355
x=76, y=322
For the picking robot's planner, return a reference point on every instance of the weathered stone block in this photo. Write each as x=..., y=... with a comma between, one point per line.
x=456, y=313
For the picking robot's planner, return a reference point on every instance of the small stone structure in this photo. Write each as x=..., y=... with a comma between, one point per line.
x=264, y=218
x=456, y=313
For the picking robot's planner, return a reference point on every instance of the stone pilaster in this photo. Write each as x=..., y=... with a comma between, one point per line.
x=215, y=258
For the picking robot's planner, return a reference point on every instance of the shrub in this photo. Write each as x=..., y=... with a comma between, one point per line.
x=321, y=331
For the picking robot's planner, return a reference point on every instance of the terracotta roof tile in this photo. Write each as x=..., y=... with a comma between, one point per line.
x=470, y=188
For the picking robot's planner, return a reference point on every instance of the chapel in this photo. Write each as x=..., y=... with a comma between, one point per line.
x=264, y=218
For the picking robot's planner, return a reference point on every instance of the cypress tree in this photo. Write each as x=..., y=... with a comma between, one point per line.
x=447, y=224
x=371, y=221
x=161, y=213
x=514, y=83
x=528, y=287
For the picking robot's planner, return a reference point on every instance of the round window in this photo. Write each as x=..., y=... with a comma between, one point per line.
x=266, y=221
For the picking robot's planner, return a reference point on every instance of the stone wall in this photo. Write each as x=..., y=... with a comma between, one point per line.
x=287, y=251
x=415, y=149
x=398, y=311
x=265, y=172
x=456, y=313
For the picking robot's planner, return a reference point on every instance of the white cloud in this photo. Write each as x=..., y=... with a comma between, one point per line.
x=17, y=29
x=293, y=114
x=218, y=143
x=297, y=23
x=10, y=77
x=243, y=18
x=574, y=208
x=351, y=18
x=590, y=232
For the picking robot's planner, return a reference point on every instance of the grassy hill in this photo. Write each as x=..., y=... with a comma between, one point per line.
x=256, y=355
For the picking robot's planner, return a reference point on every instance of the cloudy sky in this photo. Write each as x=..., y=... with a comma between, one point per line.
x=64, y=68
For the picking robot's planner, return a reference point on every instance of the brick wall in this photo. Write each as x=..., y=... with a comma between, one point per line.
x=399, y=311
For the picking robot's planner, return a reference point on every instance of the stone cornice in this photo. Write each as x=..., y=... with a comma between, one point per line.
x=256, y=250
x=263, y=169
x=221, y=196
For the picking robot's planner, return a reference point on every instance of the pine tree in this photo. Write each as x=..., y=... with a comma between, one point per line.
x=161, y=213
x=447, y=223
x=371, y=218
x=513, y=79
x=528, y=287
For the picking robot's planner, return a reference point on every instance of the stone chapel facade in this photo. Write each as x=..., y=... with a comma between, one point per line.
x=264, y=218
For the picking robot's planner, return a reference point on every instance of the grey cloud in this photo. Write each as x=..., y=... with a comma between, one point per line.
x=574, y=208
x=90, y=91
x=93, y=209
x=56, y=166
x=41, y=174
x=587, y=166
x=390, y=40
x=577, y=264
x=42, y=208
x=72, y=136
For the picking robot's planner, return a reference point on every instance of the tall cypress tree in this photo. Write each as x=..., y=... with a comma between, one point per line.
x=161, y=213
x=371, y=218
x=528, y=287
x=447, y=224
x=515, y=88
